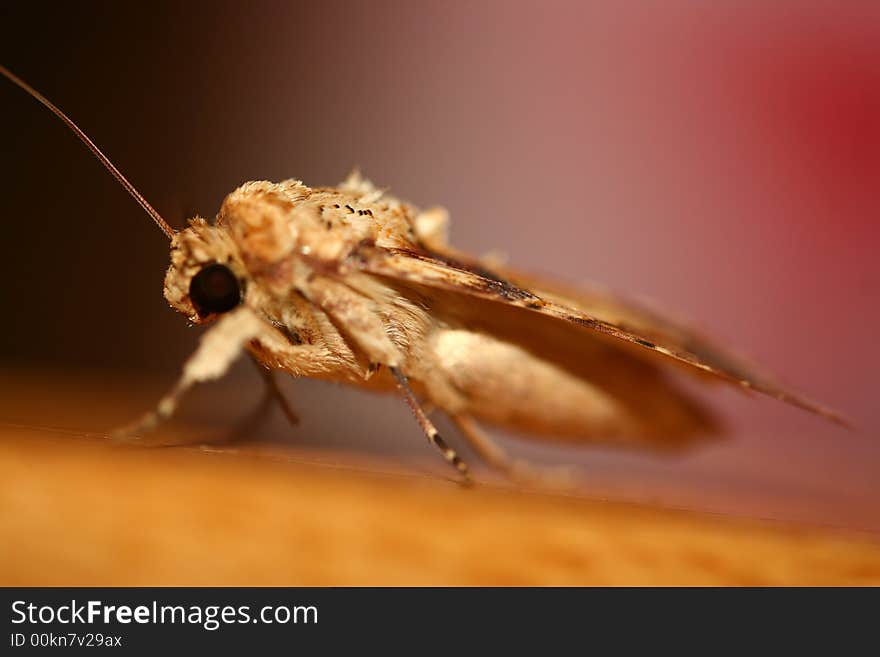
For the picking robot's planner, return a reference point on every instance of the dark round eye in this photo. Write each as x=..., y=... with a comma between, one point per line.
x=214, y=290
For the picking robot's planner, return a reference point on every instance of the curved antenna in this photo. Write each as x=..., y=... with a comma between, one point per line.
x=167, y=229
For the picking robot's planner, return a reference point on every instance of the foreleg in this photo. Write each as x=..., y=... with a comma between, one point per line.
x=218, y=348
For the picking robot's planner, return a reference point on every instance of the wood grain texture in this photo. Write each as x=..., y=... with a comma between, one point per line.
x=75, y=511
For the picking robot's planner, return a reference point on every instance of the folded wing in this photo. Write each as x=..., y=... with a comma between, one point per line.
x=591, y=311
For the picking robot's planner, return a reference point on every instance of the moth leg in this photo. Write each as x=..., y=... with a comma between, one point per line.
x=428, y=427
x=517, y=470
x=272, y=394
x=275, y=391
x=490, y=451
x=218, y=348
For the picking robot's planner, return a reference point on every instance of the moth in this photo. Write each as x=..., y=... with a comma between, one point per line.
x=353, y=285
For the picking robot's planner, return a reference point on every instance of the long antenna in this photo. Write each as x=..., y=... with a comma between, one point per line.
x=167, y=229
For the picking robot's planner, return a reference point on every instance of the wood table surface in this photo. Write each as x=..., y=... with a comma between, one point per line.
x=76, y=509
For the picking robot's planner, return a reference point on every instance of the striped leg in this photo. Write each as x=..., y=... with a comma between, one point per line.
x=428, y=427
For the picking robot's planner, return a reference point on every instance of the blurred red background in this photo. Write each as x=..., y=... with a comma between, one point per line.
x=721, y=159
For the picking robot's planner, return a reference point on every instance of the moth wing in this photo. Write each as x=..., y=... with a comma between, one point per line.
x=651, y=335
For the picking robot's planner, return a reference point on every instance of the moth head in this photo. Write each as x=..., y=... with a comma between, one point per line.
x=206, y=276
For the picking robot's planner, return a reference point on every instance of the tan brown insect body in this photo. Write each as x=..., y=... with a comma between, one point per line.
x=353, y=285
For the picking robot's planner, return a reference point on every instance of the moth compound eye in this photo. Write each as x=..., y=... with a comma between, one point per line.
x=214, y=290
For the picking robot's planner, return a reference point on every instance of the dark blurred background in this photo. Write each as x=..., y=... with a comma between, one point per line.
x=721, y=159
